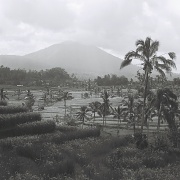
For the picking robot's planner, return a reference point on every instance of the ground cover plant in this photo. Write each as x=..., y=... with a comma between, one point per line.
x=12, y=109
x=11, y=120
x=39, y=127
x=3, y=103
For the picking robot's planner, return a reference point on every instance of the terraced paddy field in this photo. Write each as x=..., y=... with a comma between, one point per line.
x=56, y=110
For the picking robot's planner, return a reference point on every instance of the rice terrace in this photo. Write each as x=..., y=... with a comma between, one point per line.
x=55, y=125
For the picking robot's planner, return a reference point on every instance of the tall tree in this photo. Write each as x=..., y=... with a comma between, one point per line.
x=146, y=52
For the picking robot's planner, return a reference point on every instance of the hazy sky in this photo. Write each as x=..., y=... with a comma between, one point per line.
x=30, y=25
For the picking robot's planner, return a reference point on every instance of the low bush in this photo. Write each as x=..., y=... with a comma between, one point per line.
x=66, y=128
x=53, y=169
x=154, y=160
x=28, y=151
x=3, y=103
x=40, y=127
x=12, y=109
x=123, y=141
x=111, y=143
x=11, y=120
x=84, y=133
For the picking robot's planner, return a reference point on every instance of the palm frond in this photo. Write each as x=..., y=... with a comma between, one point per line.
x=154, y=48
x=140, y=42
x=172, y=55
x=171, y=63
x=160, y=71
x=148, y=43
x=125, y=63
x=168, y=62
x=140, y=49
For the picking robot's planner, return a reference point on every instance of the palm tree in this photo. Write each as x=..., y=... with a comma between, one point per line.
x=167, y=106
x=119, y=112
x=146, y=52
x=94, y=107
x=105, y=106
x=130, y=110
x=83, y=114
x=65, y=97
x=166, y=101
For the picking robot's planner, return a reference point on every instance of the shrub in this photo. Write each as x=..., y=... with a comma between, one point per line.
x=161, y=142
x=84, y=133
x=154, y=160
x=28, y=151
x=33, y=128
x=11, y=120
x=3, y=103
x=109, y=144
x=118, y=142
x=12, y=109
x=66, y=128
x=53, y=169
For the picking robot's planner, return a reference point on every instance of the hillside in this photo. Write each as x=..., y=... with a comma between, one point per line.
x=85, y=61
x=81, y=59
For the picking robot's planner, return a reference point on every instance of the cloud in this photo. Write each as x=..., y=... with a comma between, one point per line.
x=30, y=25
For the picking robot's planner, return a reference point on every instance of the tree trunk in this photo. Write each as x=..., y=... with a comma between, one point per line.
x=144, y=101
x=159, y=118
x=134, y=126
x=94, y=118
x=65, y=107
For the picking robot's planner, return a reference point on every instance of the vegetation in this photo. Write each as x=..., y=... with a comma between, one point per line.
x=11, y=120
x=12, y=109
x=112, y=80
x=52, y=77
x=34, y=148
x=33, y=128
x=146, y=52
x=3, y=103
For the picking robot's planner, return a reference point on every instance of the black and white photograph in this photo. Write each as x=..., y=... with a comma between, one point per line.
x=90, y=90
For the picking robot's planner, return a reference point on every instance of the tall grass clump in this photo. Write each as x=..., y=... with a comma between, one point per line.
x=12, y=109
x=34, y=128
x=11, y=120
x=3, y=103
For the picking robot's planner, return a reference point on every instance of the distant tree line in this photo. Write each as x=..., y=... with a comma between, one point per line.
x=54, y=76
x=111, y=80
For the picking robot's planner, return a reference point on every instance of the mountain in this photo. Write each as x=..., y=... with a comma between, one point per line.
x=18, y=62
x=83, y=60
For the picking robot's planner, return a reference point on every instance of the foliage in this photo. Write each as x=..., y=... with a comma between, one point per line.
x=83, y=114
x=3, y=103
x=39, y=127
x=84, y=133
x=52, y=76
x=112, y=80
x=146, y=52
x=11, y=120
x=167, y=107
x=12, y=109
